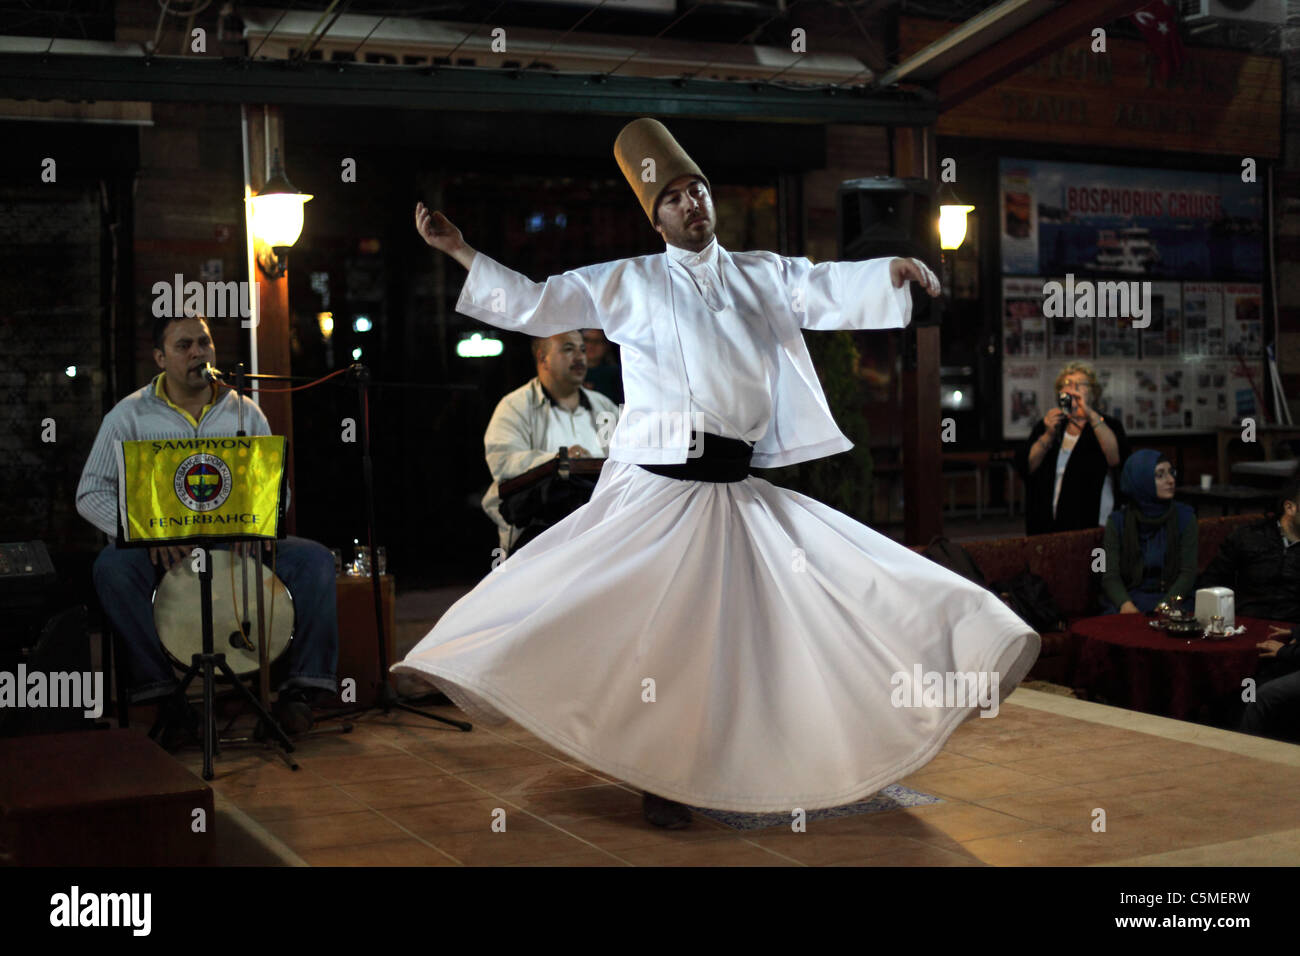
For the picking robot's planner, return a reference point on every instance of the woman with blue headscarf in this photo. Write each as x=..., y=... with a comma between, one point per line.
x=1150, y=542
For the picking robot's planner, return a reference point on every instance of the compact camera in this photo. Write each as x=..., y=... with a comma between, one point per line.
x=1066, y=401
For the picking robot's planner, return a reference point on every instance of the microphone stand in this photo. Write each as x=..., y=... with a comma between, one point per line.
x=263, y=664
x=386, y=699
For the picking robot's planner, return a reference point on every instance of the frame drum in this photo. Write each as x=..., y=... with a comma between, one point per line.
x=177, y=613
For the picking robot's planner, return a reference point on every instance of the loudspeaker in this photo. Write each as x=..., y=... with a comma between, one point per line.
x=888, y=216
x=63, y=648
x=358, y=653
x=27, y=590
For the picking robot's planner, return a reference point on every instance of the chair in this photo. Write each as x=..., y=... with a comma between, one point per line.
x=113, y=663
x=954, y=470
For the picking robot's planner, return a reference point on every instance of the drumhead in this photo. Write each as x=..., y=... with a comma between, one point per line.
x=178, y=617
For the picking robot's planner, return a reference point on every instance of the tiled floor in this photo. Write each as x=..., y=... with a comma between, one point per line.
x=1033, y=786
x=1050, y=781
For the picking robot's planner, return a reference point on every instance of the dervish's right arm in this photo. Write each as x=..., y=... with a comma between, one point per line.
x=504, y=298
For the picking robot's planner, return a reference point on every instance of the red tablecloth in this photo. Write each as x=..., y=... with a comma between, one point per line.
x=1126, y=662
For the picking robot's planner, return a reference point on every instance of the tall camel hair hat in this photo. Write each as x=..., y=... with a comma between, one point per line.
x=644, y=139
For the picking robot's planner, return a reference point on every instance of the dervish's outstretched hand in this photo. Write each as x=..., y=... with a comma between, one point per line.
x=900, y=270
x=437, y=230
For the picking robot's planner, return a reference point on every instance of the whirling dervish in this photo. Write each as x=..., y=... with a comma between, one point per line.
x=694, y=630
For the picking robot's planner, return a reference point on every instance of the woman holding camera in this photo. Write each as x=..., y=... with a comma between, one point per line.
x=1068, y=458
x=1150, y=542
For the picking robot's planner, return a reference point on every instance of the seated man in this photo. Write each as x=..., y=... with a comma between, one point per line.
x=539, y=418
x=1275, y=711
x=1261, y=564
x=181, y=403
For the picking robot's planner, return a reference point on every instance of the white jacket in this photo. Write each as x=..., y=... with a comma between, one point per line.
x=632, y=301
x=517, y=439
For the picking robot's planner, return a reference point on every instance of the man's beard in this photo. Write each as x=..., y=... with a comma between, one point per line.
x=686, y=237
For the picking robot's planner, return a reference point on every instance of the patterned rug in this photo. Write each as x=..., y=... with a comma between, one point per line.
x=892, y=797
x=1047, y=687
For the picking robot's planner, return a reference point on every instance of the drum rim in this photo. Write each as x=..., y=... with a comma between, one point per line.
x=176, y=662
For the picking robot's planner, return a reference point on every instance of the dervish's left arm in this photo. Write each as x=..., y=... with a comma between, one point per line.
x=854, y=295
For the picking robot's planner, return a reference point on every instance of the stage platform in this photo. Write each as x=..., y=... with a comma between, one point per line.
x=1018, y=790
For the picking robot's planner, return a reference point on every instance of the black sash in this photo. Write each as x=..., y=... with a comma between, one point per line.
x=721, y=460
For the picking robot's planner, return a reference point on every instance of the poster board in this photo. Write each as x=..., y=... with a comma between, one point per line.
x=1178, y=356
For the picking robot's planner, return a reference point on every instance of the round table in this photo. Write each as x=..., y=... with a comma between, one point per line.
x=1124, y=661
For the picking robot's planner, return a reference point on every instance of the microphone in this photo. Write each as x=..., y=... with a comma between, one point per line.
x=212, y=373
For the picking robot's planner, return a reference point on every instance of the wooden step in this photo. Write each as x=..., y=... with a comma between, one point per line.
x=99, y=798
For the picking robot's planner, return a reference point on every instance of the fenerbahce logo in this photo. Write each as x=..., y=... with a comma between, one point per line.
x=202, y=482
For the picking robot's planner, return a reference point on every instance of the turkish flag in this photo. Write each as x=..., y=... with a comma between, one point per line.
x=1158, y=23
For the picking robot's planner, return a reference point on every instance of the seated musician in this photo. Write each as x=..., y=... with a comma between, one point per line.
x=532, y=423
x=180, y=403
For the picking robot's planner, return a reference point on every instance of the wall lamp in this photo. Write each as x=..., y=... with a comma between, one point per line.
x=276, y=217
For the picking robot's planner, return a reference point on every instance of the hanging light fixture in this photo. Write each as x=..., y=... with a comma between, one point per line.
x=276, y=220
x=952, y=218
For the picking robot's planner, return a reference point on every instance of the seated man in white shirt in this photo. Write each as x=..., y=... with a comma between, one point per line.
x=532, y=423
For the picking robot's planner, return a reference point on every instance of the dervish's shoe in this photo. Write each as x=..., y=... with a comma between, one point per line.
x=668, y=814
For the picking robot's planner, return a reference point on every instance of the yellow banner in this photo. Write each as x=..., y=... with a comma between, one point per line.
x=178, y=488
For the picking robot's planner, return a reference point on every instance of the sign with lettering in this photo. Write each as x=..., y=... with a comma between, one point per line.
x=179, y=488
x=1119, y=220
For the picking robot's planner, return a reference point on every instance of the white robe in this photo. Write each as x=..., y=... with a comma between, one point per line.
x=638, y=304
x=735, y=645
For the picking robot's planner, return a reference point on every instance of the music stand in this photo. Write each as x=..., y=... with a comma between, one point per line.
x=208, y=661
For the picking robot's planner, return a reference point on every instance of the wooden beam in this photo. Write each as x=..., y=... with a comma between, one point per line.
x=1009, y=56
x=266, y=127
x=343, y=85
x=914, y=155
x=871, y=53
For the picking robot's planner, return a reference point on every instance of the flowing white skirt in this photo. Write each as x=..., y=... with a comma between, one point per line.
x=735, y=646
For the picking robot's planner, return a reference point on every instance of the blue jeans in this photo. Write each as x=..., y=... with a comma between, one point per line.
x=125, y=580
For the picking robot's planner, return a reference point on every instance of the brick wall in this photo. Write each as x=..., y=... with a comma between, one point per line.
x=852, y=152
x=49, y=319
x=188, y=212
